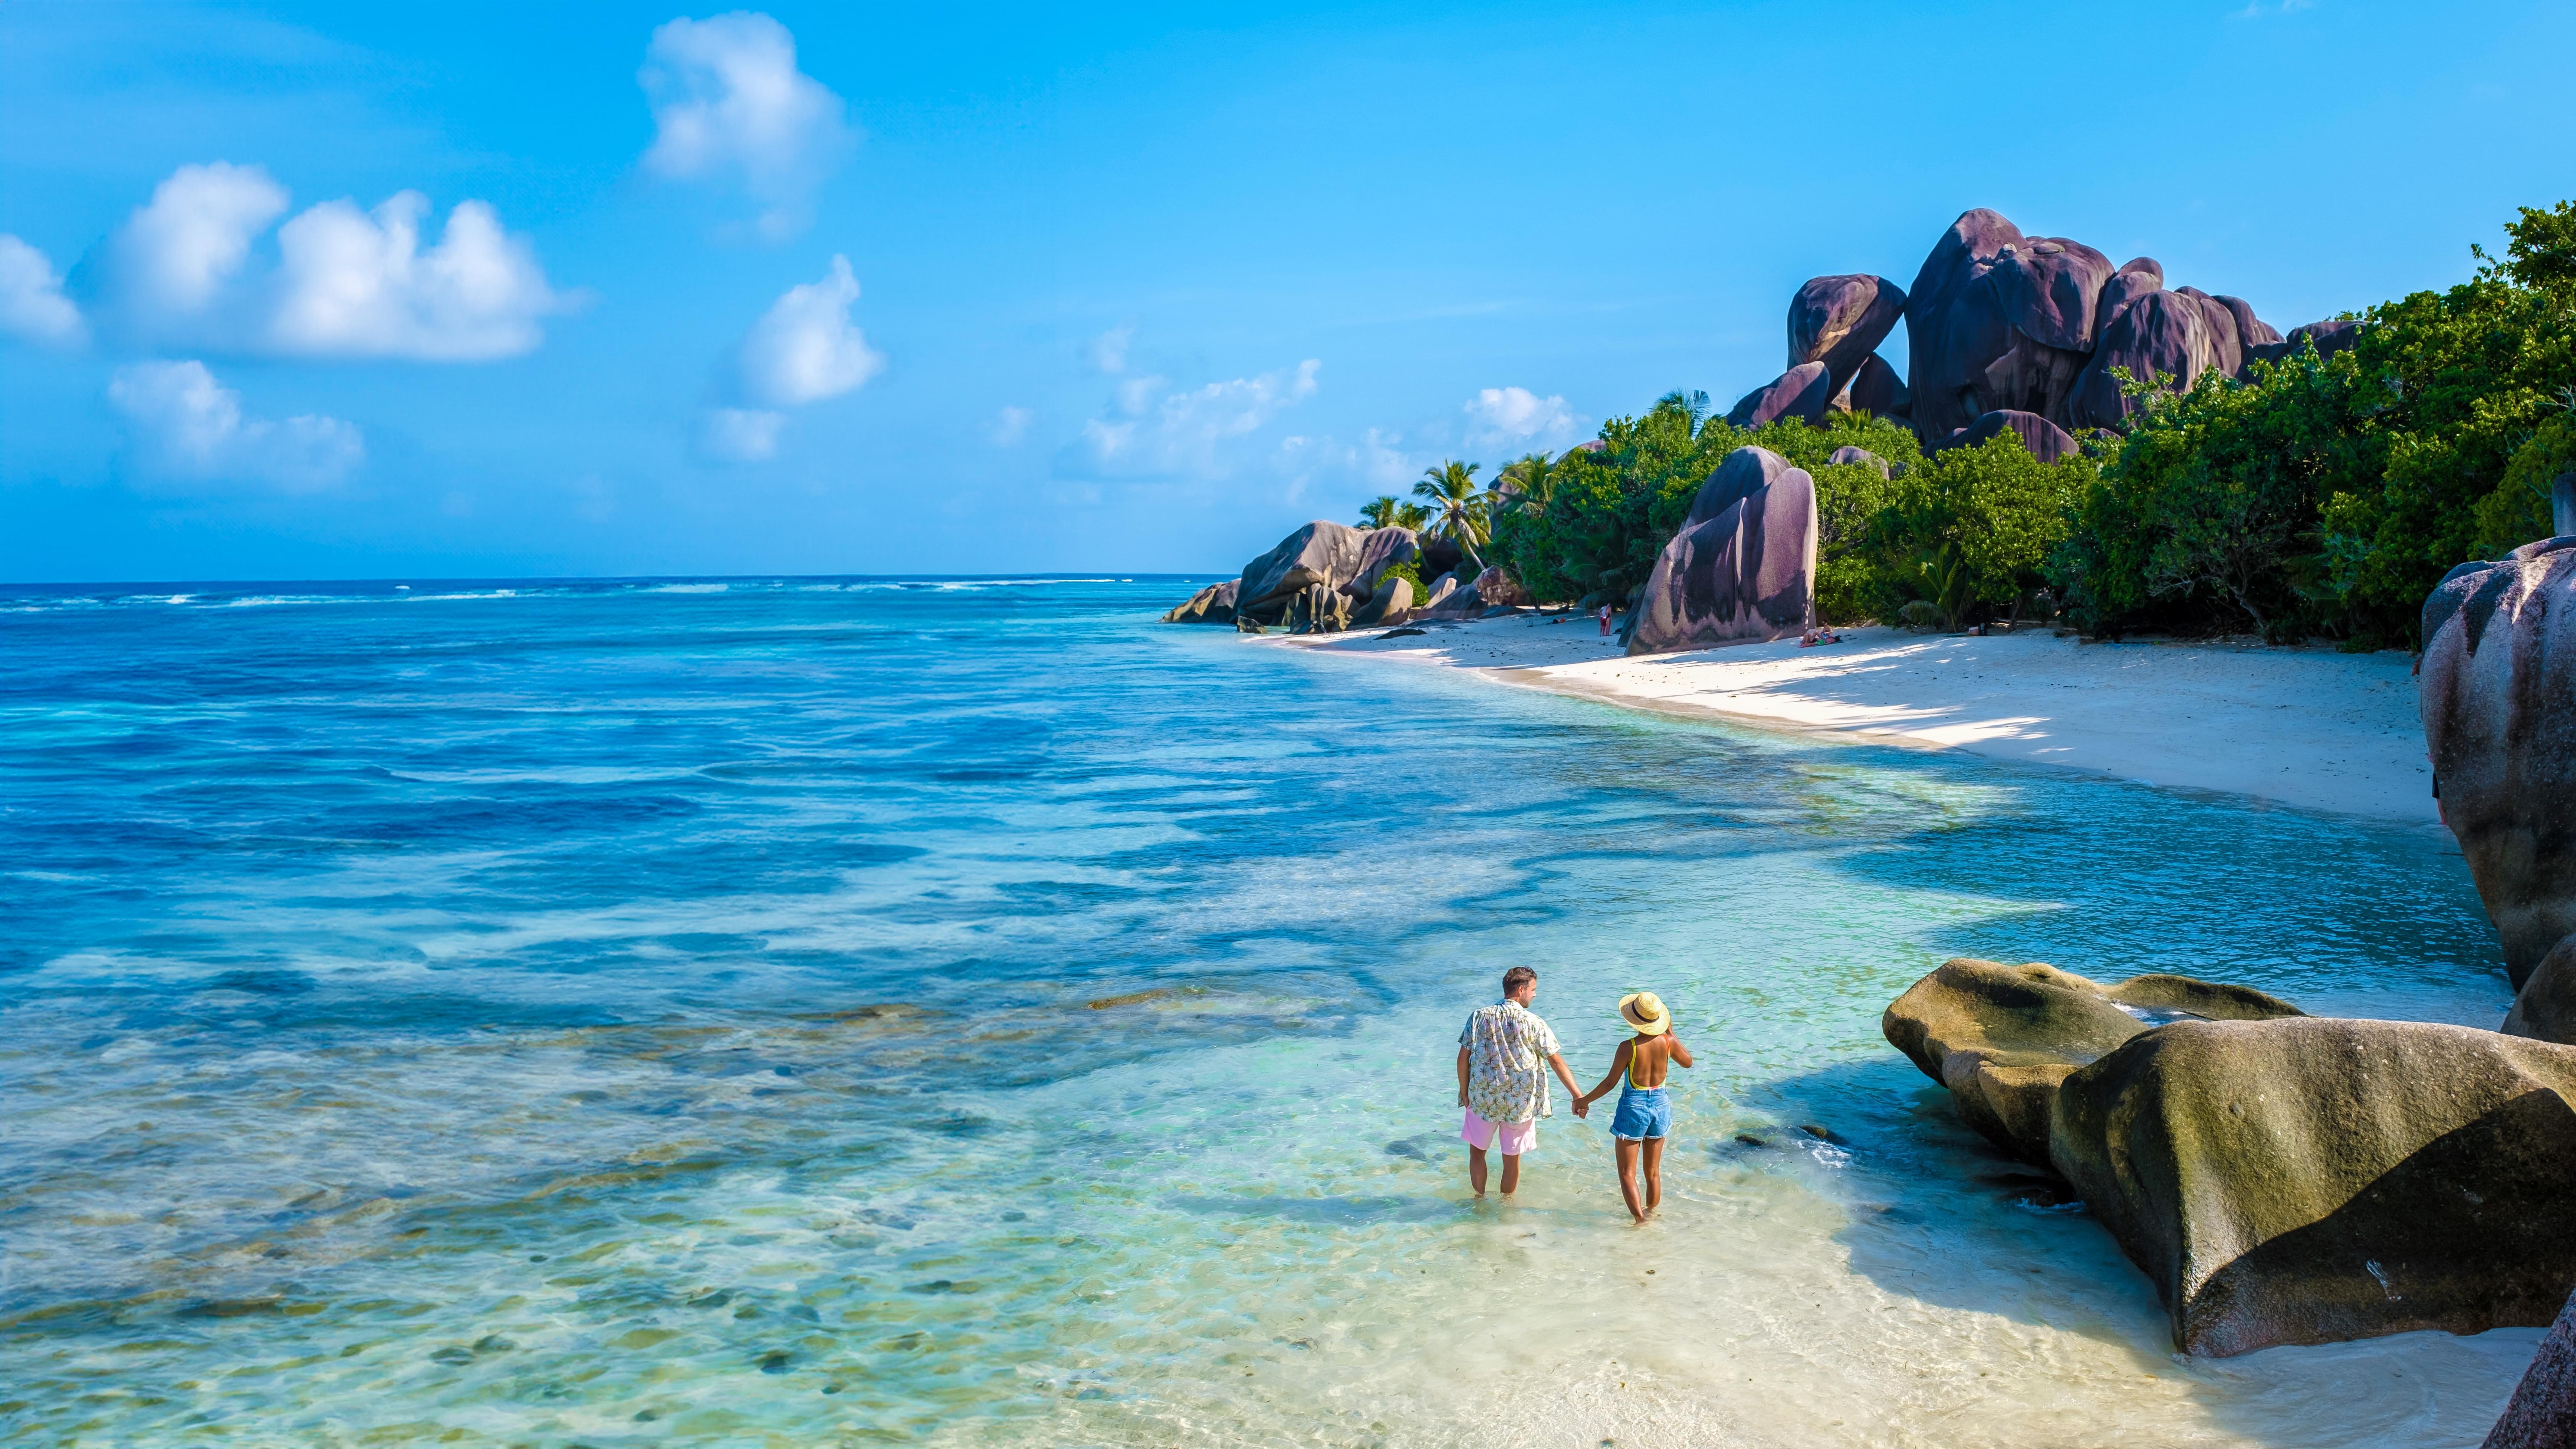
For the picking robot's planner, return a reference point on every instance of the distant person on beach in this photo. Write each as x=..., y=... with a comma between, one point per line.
x=1501, y=1083
x=1605, y=621
x=1645, y=1115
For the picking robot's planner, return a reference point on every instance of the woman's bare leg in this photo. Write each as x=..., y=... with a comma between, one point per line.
x=1627, y=1156
x=1654, y=1156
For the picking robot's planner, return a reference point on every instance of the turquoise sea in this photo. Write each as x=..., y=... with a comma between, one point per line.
x=853, y=1011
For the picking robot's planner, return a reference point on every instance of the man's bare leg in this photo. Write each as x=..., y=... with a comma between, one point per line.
x=1476, y=1170
x=1511, y=1173
x=1654, y=1155
x=1627, y=1158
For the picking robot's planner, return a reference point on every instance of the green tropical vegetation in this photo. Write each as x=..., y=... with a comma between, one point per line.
x=2316, y=497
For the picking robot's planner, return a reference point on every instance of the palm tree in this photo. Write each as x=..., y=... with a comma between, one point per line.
x=1457, y=503
x=1526, y=484
x=1689, y=402
x=1384, y=512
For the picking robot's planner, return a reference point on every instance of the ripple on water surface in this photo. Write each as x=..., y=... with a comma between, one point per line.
x=843, y=1010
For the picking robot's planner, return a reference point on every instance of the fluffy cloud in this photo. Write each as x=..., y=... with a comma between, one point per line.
x=188, y=428
x=32, y=304
x=348, y=283
x=174, y=255
x=1108, y=351
x=357, y=284
x=804, y=349
x=1155, y=432
x=1009, y=426
x=740, y=435
x=730, y=104
x=1514, y=416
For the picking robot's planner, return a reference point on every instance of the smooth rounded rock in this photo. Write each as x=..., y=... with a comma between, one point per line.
x=2314, y=1180
x=1839, y=321
x=2497, y=690
x=1799, y=395
x=1747, y=573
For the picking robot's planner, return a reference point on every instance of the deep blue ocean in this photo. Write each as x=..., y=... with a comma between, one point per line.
x=830, y=1011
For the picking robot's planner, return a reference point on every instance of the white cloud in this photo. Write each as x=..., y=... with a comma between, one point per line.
x=1514, y=416
x=804, y=349
x=740, y=435
x=174, y=255
x=1009, y=426
x=347, y=284
x=1108, y=351
x=1182, y=433
x=190, y=429
x=1384, y=464
x=729, y=103
x=356, y=284
x=32, y=304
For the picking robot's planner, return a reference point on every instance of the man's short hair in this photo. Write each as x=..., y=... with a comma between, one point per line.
x=1516, y=978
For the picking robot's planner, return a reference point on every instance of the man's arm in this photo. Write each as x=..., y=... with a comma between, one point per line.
x=1564, y=1074
x=1462, y=1076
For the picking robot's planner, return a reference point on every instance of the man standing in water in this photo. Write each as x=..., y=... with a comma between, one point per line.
x=1500, y=1081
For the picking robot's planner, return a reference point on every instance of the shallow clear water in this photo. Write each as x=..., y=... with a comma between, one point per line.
x=850, y=1012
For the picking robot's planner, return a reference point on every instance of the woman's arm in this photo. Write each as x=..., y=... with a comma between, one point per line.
x=1681, y=1054
x=1618, y=1064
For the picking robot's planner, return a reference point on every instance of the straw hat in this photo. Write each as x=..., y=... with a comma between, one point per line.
x=1645, y=1011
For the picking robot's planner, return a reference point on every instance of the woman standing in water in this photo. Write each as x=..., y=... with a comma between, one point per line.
x=1645, y=1114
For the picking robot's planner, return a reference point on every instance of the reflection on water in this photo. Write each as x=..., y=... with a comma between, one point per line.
x=840, y=1013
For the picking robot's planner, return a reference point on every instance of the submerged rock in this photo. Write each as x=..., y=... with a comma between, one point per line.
x=2497, y=679
x=1743, y=566
x=2002, y=1038
x=2312, y=1180
x=1211, y=605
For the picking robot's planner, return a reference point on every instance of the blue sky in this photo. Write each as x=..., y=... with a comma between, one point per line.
x=340, y=291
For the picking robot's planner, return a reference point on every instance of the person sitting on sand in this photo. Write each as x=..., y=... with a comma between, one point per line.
x=1645, y=1115
x=1500, y=1082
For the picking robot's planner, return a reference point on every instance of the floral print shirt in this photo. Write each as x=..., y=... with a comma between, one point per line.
x=1507, y=1051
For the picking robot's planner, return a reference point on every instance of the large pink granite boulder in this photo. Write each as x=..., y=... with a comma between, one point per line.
x=1743, y=567
x=1839, y=321
x=2498, y=694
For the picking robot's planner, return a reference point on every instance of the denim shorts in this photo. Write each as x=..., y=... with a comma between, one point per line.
x=1643, y=1112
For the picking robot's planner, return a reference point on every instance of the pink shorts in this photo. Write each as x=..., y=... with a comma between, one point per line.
x=1515, y=1137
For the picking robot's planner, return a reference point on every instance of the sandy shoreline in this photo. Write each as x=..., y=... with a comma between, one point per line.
x=2307, y=728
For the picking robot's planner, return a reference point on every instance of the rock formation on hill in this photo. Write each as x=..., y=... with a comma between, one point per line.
x=2031, y=328
x=1743, y=566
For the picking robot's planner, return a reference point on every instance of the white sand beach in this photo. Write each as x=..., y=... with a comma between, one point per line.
x=2309, y=728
